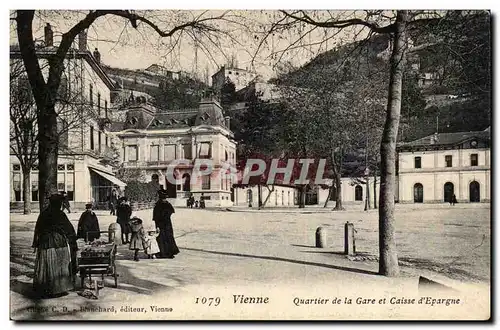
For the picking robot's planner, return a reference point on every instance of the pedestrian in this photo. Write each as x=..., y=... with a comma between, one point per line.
x=88, y=225
x=113, y=201
x=123, y=213
x=454, y=200
x=196, y=204
x=202, y=201
x=65, y=203
x=55, y=247
x=152, y=247
x=162, y=213
x=137, y=242
x=191, y=201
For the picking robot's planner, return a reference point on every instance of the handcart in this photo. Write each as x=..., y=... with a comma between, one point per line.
x=98, y=258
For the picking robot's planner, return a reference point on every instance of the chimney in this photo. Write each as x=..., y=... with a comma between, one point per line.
x=82, y=41
x=227, y=121
x=97, y=56
x=49, y=36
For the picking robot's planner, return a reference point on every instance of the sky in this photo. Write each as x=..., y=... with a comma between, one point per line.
x=122, y=46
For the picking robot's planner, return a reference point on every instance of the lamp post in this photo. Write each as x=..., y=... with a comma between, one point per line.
x=367, y=195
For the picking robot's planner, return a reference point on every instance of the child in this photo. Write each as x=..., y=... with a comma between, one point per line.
x=151, y=244
x=138, y=236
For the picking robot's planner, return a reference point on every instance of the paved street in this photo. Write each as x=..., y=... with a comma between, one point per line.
x=275, y=247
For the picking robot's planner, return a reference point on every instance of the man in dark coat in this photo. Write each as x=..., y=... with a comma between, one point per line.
x=113, y=201
x=55, y=264
x=88, y=226
x=123, y=213
x=161, y=216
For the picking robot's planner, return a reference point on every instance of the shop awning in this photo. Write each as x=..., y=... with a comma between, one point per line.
x=109, y=177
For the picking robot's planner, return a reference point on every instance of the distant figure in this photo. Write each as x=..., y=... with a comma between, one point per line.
x=88, y=225
x=65, y=203
x=454, y=200
x=55, y=244
x=113, y=201
x=162, y=217
x=123, y=213
x=202, y=201
x=196, y=204
x=137, y=242
x=191, y=201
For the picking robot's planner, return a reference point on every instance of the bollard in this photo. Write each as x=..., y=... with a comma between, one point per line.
x=349, y=243
x=321, y=237
x=115, y=234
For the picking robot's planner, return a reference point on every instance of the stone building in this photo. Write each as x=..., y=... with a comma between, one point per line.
x=150, y=140
x=84, y=121
x=240, y=77
x=434, y=168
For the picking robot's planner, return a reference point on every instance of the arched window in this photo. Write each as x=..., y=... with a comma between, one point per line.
x=418, y=193
x=358, y=193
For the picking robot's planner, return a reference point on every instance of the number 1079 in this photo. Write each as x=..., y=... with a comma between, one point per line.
x=211, y=301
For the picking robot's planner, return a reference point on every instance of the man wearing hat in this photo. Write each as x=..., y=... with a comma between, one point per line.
x=88, y=225
x=123, y=213
x=162, y=217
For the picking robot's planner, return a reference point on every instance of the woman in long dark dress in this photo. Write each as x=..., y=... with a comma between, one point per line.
x=55, y=244
x=161, y=216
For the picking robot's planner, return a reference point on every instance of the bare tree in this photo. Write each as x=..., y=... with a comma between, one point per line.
x=198, y=27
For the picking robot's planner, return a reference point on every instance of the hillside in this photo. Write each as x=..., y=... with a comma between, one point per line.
x=166, y=92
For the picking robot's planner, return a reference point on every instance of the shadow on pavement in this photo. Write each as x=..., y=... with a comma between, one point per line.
x=300, y=262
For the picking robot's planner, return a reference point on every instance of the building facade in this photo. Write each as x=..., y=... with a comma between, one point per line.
x=437, y=167
x=151, y=140
x=84, y=112
x=240, y=77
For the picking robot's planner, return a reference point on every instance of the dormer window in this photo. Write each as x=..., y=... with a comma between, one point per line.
x=156, y=122
x=132, y=121
x=175, y=121
x=186, y=121
x=205, y=116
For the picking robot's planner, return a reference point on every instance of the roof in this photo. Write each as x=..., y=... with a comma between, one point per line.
x=448, y=139
x=44, y=52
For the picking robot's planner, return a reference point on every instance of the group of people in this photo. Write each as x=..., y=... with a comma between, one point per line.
x=55, y=240
x=191, y=202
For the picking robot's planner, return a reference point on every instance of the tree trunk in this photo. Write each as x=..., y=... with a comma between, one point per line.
x=302, y=199
x=329, y=195
x=47, y=155
x=388, y=260
x=268, y=196
x=375, y=190
x=338, y=198
x=26, y=190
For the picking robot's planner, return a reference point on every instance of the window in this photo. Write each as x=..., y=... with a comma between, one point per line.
x=205, y=182
x=91, y=138
x=448, y=160
x=170, y=151
x=132, y=153
x=473, y=160
x=17, y=186
x=418, y=162
x=106, y=108
x=61, y=185
x=99, y=104
x=91, y=95
x=226, y=156
x=70, y=167
x=34, y=187
x=186, y=149
x=70, y=186
x=100, y=141
x=16, y=167
x=154, y=154
x=205, y=150
x=358, y=193
x=107, y=145
x=61, y=167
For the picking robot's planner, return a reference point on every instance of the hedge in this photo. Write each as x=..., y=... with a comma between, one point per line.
x=142, y=192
